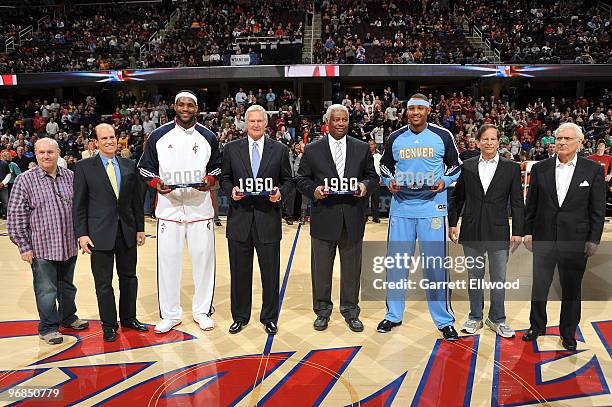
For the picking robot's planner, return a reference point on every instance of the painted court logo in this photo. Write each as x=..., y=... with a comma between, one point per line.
x=309, y=378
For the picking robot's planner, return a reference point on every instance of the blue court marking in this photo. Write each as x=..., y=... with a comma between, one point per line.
x=270, y=339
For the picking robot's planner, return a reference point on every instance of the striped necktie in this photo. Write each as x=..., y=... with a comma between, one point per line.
x=339, y=159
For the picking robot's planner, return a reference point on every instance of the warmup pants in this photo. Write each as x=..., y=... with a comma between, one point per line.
x=431, y=233
x=200, y=239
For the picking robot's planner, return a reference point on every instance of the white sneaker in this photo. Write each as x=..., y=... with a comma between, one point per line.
x=52, y=338
x=205, y=322
x=471, y=326
x=502, y=329
x=165, y=325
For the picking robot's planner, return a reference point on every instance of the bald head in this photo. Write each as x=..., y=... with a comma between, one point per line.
x=103, y=128
x=106, y=142
x=47, y=153
x=46, y=143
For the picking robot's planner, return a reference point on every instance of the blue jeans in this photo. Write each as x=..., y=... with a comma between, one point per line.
x=498, y=260
x=55, y=293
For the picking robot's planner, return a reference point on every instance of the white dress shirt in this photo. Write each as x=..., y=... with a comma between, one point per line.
x=377, y=156
x=486, y=170
x=563, y=177
x=333, y=145
x=260, y=145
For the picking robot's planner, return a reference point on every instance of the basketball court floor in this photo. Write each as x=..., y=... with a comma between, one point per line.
x=411, y=366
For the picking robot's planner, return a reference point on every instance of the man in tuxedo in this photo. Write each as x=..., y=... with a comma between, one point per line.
x=108, y=219
x=481, y=197
x=254, y=222
x=337, y=221
x=564, y=221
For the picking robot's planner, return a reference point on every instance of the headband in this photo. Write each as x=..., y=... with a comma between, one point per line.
x=185, y=94
x=418, y=102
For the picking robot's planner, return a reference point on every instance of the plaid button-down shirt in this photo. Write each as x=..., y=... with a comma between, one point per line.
x=40, y=214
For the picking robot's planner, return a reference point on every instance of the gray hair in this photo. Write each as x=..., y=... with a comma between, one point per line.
x=571, y=126
x=335, y=108
x=48, y=140
x=256, y=108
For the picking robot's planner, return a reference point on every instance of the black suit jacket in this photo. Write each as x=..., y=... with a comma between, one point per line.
x=266, y=215
x=329, y=214
x=581, y=217
x=485, y=215
x=97, y=212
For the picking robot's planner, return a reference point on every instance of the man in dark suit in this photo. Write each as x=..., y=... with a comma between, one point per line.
x=564, y=221
x=337, y=221
x=254, y=222
x=481, y=197
x=109, y=223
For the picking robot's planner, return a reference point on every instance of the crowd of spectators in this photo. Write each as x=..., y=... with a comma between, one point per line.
x=526, y=131
x=208, y=32
x=392, y=32
x=542, y=31
x=86, y=38
x=105, y=37
x=373, y=115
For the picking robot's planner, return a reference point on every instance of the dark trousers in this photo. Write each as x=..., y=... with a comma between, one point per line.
x=571, y=269
x=241, y=272
x=102, y=268
x=148, y=199
x=375, y=202
x=288, y=203
x=323, y=253
x=55, y=293
x=4, y=198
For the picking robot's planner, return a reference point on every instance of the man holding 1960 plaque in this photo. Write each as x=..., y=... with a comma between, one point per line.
x=256, y=175
x=337, y=173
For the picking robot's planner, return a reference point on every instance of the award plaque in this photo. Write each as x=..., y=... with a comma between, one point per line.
x=340, y=186
x=192, y=185
x=256, y=187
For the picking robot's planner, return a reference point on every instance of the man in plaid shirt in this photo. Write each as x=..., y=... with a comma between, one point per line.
x=40, y=224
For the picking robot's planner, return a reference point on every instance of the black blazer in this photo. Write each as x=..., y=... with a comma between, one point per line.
x=485, y=215
x=328, y=214
x=266, y=215
x=581, y=217
x=96, y=211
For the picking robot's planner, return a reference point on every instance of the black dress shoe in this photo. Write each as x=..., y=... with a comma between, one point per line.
x=236, y=327
x=354, y=324
x=320, y=323
x=568, y=343
x=110, y=334
x=449, y=333
x=386, y=326
x=135, y=325
x=532, y=335
x=218, y=223
x=270, y=327
x=289, y=222
x=376, y=220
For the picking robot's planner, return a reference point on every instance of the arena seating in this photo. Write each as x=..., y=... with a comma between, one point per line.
x=543, y=32
x=208, y=33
